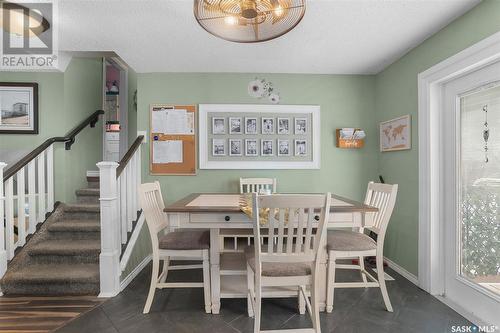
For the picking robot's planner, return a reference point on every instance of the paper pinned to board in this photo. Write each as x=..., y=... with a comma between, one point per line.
x=169, y=151
x=172, y=121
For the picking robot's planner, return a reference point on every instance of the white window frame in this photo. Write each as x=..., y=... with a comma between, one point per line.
x=262, y=109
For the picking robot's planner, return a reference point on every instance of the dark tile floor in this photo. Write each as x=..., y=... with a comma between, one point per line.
x=181, y=310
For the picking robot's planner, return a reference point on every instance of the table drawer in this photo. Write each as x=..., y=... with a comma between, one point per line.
x=218, y=218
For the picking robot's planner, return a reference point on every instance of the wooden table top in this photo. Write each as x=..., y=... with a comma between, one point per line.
x=230, y=200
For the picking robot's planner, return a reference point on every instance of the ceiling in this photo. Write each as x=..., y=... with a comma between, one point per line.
x=335, y=36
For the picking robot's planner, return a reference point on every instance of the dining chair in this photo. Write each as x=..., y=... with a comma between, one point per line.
x=299, y=222
x=343, y=244
x=254, y=185
x=182, y=244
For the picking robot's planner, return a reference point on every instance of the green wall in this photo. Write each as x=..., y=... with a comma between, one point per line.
x=65, y=99
x=396, y=94
x=346, y=101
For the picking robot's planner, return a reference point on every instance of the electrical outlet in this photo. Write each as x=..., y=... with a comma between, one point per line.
x=145, y=134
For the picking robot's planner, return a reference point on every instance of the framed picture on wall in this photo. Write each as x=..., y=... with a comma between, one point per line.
x=218, y=125
x=267, y=147
x=235, y=126
x=267, y=125
x=219, y=147
x=283, y=125
x=300, y=147
x=250, y=125
x=300, y=126
x=235, y=147
x=283, y=147
x=18, y=108
x=395, y=134
x=251, y=148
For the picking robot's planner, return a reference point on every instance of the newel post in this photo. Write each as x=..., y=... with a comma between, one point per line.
x=3, y=252
x=109, y=259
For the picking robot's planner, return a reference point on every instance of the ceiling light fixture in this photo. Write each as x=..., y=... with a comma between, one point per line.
x=249, y=21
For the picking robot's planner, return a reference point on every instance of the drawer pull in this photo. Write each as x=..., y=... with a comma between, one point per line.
x=316, y=217
x=227, y=218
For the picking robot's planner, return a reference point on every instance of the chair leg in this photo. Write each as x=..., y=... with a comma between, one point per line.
x=314, y=304
x=206, y=282
x=301, y=301
x=362, y=268
x=152, y=286
x=381, y=281
x=251, y=291
x=166, y=263
x=330, y=285
x=257, y=310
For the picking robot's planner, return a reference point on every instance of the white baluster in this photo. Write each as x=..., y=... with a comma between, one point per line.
x=21, y=202
x=130, y=215
x=133, y=167
x=32, y=197
x=139, y=173
x=109, y=259
x=50, y=178
x=41, y=187
x=3, y=252
x=123, y=207
x=9, y=218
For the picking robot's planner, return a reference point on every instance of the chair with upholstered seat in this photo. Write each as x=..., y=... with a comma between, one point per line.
x=343, y=244
x=298, y=223
x=181, y=244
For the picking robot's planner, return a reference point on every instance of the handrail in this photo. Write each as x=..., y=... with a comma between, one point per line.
x=69, y=139
x=124, y=161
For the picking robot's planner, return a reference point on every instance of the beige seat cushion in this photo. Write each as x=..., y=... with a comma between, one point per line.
x=276, y=268
x=342, y=240
x=185, y=240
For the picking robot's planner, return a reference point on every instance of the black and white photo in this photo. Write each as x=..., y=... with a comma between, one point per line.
x=235, y=126
x=18, y=108
x=267, y=125
x=283, y=125
x=218, y=147
x=218, y=125
x=235, y=147
x=250, y=125
x=267, y=147
x=283, y=147
x=300, y=147
x=251, y=148
x=300, y=125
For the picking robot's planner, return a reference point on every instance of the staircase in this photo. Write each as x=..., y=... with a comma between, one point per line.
x=62, y=257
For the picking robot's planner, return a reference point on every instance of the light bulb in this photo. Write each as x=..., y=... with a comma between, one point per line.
x=278, y=11
x=230, y=20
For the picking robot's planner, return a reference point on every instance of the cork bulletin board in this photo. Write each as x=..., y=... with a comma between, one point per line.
x=245, y=136
x=172, y=139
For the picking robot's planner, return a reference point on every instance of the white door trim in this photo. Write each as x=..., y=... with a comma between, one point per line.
x=430, y=89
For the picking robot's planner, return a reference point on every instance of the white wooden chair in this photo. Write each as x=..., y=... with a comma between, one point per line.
x=299, y=224
x=181, y=244
x=254, y=185
x=349, y=244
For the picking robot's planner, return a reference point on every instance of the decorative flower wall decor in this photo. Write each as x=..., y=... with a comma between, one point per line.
x=260, y=88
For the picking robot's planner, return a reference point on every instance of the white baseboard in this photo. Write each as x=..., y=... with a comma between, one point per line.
x=461, y=311
x=409, y=276
x=125, y=282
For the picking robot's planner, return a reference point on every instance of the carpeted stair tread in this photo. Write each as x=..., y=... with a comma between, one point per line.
x=88, y=192
x=55, y=273
x=75, y=226
x=78, y=207
x=63, y=247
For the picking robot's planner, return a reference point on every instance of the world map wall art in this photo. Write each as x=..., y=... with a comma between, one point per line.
x=395, y=134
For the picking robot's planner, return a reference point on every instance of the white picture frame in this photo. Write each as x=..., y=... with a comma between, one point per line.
x=235, y=147
x=300, y=126
x=235, y=125
x=312, y=112
x=218, y=125
x=218, y=147
x=267, y=147
x=395, y=134
x=251, y=147
x=283, y=126
x=267, y=125
x=283, y=147
x=300, y=147
x=251, y=125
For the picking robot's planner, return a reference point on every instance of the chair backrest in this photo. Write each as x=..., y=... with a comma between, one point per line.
x=382, y=196
x=296, y=226
x=151, y=202
x=254, y=185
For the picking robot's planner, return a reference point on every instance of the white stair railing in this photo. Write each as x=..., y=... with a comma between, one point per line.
x=119, y=208
x=27, y=192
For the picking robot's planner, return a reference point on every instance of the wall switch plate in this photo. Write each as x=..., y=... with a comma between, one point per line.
x=145, y=134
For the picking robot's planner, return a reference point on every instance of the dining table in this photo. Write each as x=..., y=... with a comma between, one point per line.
x=222, y=214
